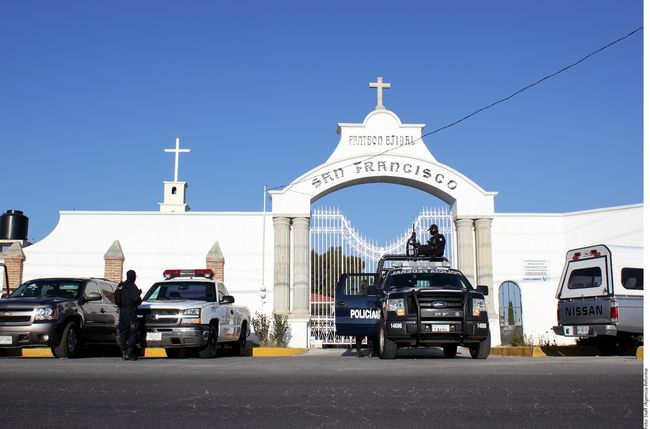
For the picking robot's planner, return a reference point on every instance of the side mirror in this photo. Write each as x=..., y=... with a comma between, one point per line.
x=372, y=290
x=4, y=295
x=92, y=296
x=483, y=290
x=227, y=299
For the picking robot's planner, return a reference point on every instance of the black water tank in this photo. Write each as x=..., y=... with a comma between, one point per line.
x=13, y=225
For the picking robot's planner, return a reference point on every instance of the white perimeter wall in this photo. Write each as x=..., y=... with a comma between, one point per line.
x=520, y=237
x=153, y=242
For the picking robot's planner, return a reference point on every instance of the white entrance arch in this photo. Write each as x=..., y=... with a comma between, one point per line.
x=379, y=150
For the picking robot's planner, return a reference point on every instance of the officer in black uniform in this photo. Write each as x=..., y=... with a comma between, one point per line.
x=436, y=242
x=127, y=298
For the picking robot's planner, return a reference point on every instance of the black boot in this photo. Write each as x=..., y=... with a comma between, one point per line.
x=131, y=354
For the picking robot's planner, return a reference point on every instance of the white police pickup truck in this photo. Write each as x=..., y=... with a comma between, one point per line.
x=189, y=311
x=600, y=297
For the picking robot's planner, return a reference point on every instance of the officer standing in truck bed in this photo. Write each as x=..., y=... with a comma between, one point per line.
x=436, y=242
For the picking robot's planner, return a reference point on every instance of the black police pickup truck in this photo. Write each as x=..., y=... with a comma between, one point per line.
x=62, y=313
x=414, y=301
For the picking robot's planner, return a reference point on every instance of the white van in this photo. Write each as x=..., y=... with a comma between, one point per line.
x=601, y=295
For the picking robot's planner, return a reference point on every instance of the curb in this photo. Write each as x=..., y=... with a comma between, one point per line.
x=540, y=351
x=156, y=352
x=277, y=351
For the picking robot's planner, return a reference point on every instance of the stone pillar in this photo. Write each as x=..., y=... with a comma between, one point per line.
x=484, y=272
x=300, y=267
x=215, y=261
x=281, y=251
x=465, y=237
x=114, y=262
x=14, y=259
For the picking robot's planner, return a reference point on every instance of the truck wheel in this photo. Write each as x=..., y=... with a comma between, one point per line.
x=482, y=349
x=68, y=346
x=239, y=346
x=173, y=353
x=210, y=350
x=450, y=350
x=387, y=347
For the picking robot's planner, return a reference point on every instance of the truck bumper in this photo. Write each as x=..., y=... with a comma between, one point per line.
x=405, y=332
x=35, y=335
x=196, y=336
x=585, y=330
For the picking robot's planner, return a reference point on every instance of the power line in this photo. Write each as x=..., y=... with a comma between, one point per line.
x=489, y=106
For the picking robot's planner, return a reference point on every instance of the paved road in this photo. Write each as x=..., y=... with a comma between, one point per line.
x=328, y=388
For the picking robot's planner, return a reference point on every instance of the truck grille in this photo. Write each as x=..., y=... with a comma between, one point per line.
x=161, y=317
x=15, y=319
x=437, y=305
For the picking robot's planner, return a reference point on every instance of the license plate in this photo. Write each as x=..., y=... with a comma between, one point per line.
x=4, y=339
x=439, y=328
x=154, y=336
x=582, y=330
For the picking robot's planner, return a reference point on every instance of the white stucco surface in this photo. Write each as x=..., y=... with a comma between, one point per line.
x=153, y=242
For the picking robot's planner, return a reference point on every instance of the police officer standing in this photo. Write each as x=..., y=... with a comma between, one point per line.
x=436, y=242
x=127, y=298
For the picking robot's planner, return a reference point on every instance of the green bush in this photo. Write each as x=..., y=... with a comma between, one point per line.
x=271, y=333
x=280, y=330
x=262, y=327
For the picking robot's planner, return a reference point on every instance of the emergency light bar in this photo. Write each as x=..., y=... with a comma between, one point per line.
x=421, y=264
x=203, y=272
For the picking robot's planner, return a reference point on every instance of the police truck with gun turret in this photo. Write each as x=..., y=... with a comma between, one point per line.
x=190, y=311
x=415, y=300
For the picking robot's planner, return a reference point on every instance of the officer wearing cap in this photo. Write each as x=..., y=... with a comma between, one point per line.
x=436, y=242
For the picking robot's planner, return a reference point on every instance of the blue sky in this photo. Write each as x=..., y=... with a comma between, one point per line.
x=91, y=92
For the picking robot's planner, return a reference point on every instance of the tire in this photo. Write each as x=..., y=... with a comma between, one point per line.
x=239, y=346
x=68, y=346
x=387, y=347
x=450, y=350
x=481, y=350
x=173, y=353
x=210, y=350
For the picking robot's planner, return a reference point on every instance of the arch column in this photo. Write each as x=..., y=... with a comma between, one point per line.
x=465, y=239
x=300, y=283
x=281, y=251
x=483, y=229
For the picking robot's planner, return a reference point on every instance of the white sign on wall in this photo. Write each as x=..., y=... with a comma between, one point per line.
x=535, y=270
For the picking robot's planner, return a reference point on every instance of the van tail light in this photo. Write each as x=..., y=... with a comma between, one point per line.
x=613, y=311
x=558, y=314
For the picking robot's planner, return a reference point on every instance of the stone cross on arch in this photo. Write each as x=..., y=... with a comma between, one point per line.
x=177, y=151
x=380, y=85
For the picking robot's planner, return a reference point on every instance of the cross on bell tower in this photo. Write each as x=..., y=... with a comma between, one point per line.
x=174, y=191
x=380, y=85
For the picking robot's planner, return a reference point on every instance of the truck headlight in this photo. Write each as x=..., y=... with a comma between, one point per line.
x=396, y=305
x=478, y=305
x=191, y=313
x=45, y=313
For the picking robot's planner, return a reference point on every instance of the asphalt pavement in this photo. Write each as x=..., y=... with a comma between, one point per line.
x=323, y=388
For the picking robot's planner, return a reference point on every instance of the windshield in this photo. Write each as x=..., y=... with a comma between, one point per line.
x=421, y=279
x=169, y=291
x=48, y=289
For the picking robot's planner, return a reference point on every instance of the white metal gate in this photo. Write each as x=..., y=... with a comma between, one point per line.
x=336, y=248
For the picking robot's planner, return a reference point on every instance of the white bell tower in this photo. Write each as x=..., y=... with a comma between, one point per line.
x=174, y=191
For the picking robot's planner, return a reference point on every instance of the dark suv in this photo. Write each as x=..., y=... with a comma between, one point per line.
x=414, y=301
x=62, y=313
